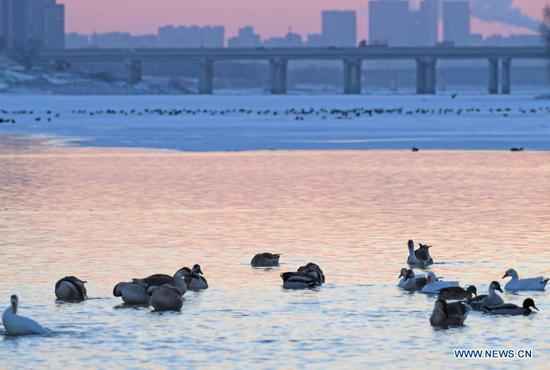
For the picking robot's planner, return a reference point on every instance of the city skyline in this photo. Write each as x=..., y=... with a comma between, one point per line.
x=271, y=19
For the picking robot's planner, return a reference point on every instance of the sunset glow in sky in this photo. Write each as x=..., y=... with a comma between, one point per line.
x=269, y=17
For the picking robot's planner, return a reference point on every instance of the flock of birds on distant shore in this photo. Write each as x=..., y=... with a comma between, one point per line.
x=446, y=314
x=165, y=292
x=298, y=114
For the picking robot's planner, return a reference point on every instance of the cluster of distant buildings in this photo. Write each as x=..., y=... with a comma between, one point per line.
x=339, y=28
x=32, y=24
x=41, y=23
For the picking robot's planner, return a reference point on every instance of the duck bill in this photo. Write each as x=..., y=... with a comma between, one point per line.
x=535, y=307
x=499, y=289
x=505, y=275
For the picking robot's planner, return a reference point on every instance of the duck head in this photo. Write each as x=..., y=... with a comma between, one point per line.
x=472, y=290
x=197, y=269
x=14, y=303
x=510, y=272
x=495, y=285
x=528, y=303
x=409, y=274
x=410, y=244
x=403, y=273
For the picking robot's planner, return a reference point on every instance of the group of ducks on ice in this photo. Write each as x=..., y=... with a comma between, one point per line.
x=446, y=314
x=165, y=292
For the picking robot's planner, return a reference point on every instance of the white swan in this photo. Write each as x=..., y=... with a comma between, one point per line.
x=19, y=325
x=433, y=285
x=537, y=283
x=420, y=257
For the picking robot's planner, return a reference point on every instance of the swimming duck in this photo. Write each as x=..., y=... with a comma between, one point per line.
x=135, y=292
x=265, y=260
x=412, y=282
x=420, y=257
x=166, y=297
x=403, y=277
x=194, y=279
x=512, y=309
x=308, y=276
x=487, y=300
x=537, y=283
x=19, y=325
x=448, y=314
x=70, y=289
x=455, y=293
x=434, y=285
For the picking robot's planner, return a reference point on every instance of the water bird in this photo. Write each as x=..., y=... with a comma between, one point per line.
x=536, y=283
x=70, y=289
x=411, y=282
x=415, y=149
x=19, y=325
x=434, y=285
x=265, y=260
x=420, y=257
x=457, y=293
x=194, y=279
x=516, y=149
x=135, y=292
x=166, y=297
x=308, y=276
x=512, y=309
x=487, y=300
x=445, y=314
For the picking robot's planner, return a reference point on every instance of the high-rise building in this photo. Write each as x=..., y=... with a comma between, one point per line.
x=76, y=41
x=54, y=25
x=390, y=22
x=456, y=22
x=427, y=23
x=246, y=38
x=32, y=24
x=339, y=28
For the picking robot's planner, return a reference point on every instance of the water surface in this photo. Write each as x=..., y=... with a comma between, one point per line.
x=109, y=215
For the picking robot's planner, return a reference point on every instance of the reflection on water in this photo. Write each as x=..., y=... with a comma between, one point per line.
x=110, y=215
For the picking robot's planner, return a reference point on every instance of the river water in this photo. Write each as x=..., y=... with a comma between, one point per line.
x=108, y=215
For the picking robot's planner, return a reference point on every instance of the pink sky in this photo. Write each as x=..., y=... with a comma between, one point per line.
x=269, y=17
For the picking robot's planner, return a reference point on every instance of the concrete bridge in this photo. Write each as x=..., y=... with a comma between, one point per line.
x=499, y=61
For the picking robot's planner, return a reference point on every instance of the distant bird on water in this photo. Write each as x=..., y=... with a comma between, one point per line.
x=512, y=309
x=308, y=276
x=70, y=289
x=19, y=325
x=265, y=260
x=194, y=278
x=536, y=283
x=455, y=293
x=487, y=300
x=420, y=257
x=445, y=314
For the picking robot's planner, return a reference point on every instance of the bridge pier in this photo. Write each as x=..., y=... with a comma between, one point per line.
x=206, y=77
x=506, y=87
x=426, y=76
x=278, y=71
x=135, y=71
x=493, y=76
x=352, y=76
